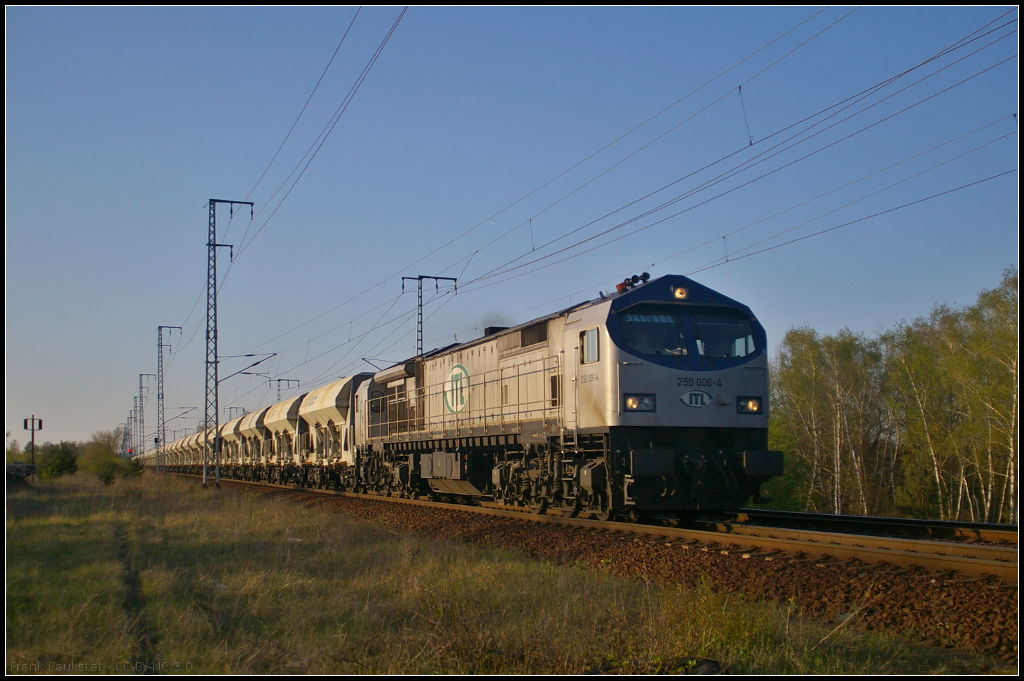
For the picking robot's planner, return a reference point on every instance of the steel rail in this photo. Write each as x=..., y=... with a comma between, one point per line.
x=946, y=548
x=990, y=532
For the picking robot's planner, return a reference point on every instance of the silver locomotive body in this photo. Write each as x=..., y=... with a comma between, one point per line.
x=653, y=399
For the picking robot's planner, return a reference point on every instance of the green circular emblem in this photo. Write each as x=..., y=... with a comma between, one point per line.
x=456, y=389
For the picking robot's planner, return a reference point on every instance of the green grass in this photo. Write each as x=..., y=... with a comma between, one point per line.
x=162, y=573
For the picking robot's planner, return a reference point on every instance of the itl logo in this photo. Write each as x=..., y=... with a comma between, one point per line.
x=456, y=389
x=696, y=399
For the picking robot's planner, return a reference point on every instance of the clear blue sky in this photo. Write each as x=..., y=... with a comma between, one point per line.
x=473, y=124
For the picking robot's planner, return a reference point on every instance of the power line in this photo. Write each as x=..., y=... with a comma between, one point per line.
x=559, y=175
x=498, y=272
x=619, y=138
x=866, y=217
x=317, y=144
x=850, y=101
x=734, y=258
x=326, y=132
x=308, y=100
x=469, y=256
x=772, y=171
x=844, y=186
x=962, y=42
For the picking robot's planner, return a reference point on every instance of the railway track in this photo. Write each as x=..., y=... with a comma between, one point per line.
x=905, y=527
x=764, y=542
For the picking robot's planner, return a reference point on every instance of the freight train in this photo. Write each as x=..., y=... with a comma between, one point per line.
x=651, y=400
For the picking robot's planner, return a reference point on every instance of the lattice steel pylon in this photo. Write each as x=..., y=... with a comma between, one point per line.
x=161, y=433
x=212, y=420
x=287, y=383
x=141, y=449
x=419, y=303
x=125, y=437
x=134, y=420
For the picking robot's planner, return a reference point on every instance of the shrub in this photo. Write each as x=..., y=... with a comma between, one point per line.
x=99, y=457
x=58, y=460
x=106, y=470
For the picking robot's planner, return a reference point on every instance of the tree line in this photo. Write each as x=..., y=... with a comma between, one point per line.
x=918, y=421
x=97, y=456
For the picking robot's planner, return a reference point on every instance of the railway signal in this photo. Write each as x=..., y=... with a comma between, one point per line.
x=33, y=424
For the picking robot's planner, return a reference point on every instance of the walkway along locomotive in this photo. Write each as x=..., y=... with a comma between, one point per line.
x=651, y=400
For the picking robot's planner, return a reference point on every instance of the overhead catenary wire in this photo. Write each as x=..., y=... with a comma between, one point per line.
x=617, y=139
x=314, y=148
x=872, y=104
x=553, y=179
x=304, y=106
x=862, y=219
x=642, y=148
x=467, y=264
x=866, y=196
x=838, y=188
x=379, y=324
x=499, y=272
x=843, y=104
x=404, y=317
x=374, y=349
x=733, y=257
x=325, y=133
x=281, y=146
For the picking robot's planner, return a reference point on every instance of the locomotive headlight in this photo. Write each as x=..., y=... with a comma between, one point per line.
x=748, y=405
x=639, y=402
x=680, y=292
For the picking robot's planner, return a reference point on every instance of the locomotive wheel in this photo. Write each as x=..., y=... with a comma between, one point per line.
x=570, y=512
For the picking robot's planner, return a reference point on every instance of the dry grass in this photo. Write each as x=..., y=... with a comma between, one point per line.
x=160, y=573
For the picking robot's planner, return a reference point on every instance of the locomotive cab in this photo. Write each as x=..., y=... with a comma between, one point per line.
x=686, y=403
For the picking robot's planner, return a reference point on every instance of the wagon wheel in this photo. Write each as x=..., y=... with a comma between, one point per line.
x=602, y=513
x=540, y=508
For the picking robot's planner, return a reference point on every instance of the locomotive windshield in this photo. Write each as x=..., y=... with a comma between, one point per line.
x=654, y=333
x=722, y=337
x=662, y=331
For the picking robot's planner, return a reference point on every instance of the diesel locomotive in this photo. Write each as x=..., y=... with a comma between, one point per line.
x=651, y=400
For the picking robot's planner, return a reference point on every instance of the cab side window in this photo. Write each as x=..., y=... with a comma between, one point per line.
x=590, y=346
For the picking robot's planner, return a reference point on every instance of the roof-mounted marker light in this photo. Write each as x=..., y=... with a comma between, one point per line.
x=680, y=292
x=630, y=282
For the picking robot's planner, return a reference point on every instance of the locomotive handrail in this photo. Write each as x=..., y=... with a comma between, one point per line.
x=406, y=411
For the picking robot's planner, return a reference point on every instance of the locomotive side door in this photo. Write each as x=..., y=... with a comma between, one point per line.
x=589, y=363
x=591, y=384
x=585, y=383
x=571, y=378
